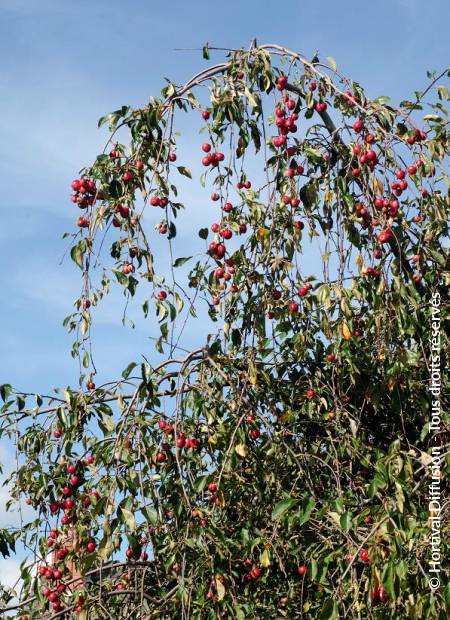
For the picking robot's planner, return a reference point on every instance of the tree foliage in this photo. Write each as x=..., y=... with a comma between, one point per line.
x=280, y=469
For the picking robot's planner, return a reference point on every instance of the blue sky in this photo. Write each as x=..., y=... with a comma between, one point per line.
x=65, y=63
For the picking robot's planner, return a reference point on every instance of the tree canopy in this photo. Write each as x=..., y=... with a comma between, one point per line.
x=280, y=468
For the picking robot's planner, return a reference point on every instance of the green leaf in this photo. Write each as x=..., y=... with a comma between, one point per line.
x=447, y=596
x=282, y=507
x=77, y=253
x=240, y=614
x=115, y=189
x=306, y=511
x=102, y=120
x=330, y=610
x=387, y=579
x=86, y=360
x=5, y=391
x=126, y=373
x=308, y=194
x=108, y=423
x=346, y=521
x=184, y=171
x=181, y=261
x=203, y=233
x=438, y=257
x=128, y=518
x=150, y=514
x=121, y=277
x=382, y=100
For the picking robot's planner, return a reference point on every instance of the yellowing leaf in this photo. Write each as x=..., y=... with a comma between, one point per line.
x=84, y=326
x=346, y=333
x=253, y=374
x=425, y=458
x=332, y=63
x=378, y=186
x=241, y=449
x=399, y=496
x=106, y=549
x=264, y=559
x=336, y=517
x=262, y=233
x=220, y=589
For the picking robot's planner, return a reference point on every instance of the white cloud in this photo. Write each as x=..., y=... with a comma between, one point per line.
x=9, y=572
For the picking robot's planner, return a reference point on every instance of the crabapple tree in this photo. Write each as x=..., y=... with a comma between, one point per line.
x=280, y=467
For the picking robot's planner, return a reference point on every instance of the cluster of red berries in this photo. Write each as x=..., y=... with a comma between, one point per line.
x=361, y=211
x=417, y=136
x=399, y=186
x=286, y=123
x=69, y=491
x=213, y=488
x=243, y=184
x=366, y=154
x=385, y=236
x=364, y=555
x=254, y=574
x=254, y=432
x=371, y=272
x=350, y=98
x=211, y=159
x=128, y=268
x=180, y=440
x=293, y=306
x=217, y=250
x=310, y=394
x=256, y=571
x=379, y=595
x=321, y=106
x=53, y=594
x=159, y=201
x=291, y=171
x=291, y=200
x=221, y=273
x=282, y=82
x=56, y=587
x=123, y=211
x=85, y=192
x=388, y=207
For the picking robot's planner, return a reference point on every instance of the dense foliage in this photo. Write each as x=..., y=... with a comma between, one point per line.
x=280, y=469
